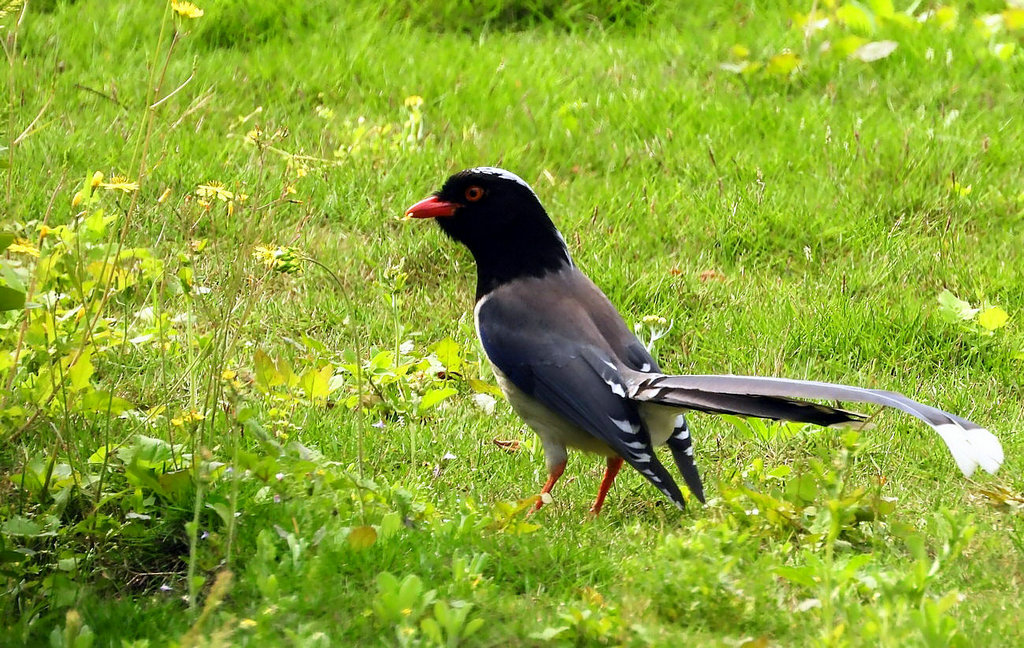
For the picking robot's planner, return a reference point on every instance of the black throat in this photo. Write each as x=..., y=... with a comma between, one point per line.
x=511, y=254
x=503, y=263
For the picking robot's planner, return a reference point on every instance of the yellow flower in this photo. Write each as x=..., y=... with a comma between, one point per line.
x=164, y=196
x=22, y=246
x=960, y=190
x=120, y=183
x=228, y=374
x=97, y=178
x=245, y=624
x=186, y=9
x=214, y=190
x=413, y=101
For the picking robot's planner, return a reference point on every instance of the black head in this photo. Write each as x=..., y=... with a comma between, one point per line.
x=499, y=218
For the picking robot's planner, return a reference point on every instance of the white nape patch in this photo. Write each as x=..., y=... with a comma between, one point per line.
x=680, y=422
x=635, y=445
x=972, y=448
x=683, y=434
x=626, y=426
x=645, y=366
x=689, y=451
x=617, y=388
x=642, y=457
x=504, y=175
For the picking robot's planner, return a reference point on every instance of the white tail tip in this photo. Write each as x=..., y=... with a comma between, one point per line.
x=972, y=448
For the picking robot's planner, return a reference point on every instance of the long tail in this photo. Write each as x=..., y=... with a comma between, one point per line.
x=777, y=398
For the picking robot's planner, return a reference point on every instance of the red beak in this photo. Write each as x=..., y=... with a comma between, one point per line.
x=432, y=207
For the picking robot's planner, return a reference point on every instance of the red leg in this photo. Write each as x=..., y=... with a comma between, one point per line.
x=614, y=464
x=553, y=476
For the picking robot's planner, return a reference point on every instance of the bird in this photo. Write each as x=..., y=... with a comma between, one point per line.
x=574, y=372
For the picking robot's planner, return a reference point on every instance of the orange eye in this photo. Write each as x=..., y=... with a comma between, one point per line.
x=474, y=193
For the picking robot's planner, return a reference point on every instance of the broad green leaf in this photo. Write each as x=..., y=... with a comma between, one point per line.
x=150, y=450
x=267, y=375
x=550, y=634
x=804, y=575
x=80, y=372
x=390, y=524
x=6, y=238
x=782, y=64
x=435, y=396
x=11, y=299
x=22, y=526
x=954, y=309
x=362, y=537
x=316, y=382
x=847, y=45
x=992, y=318
x=1013, y=19
x=447, y=352
x=103, y=402
x=856, y=17
x=481, y=387
x=882, y=8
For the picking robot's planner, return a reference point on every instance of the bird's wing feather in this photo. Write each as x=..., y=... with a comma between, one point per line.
x=577, y=381
x=970, y=444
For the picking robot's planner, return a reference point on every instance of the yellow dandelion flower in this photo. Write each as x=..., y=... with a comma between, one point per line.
x=22, y=246
x=164, y=196
x=120, y=183
x=228, y=374
x=177, y=422
x=214, y=190
x=245, y=624
x=186, y=9
x=77, y=200
x=960, y=190
x=413, y=101
x=254, y=136
x=97, y=178
x=44, y=231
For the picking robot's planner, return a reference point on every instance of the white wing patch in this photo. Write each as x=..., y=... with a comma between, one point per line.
x=617, y=388
x=626, y=427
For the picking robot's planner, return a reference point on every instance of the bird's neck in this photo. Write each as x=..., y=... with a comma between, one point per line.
x=501, y=264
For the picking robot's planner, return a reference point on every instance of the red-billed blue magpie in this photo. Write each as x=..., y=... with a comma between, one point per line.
x=577, y=375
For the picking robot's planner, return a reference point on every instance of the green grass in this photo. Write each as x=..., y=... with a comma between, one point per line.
x=823, y=200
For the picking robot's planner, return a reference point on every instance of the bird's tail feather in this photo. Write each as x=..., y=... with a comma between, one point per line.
x=681, y=445
x=781, y=398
